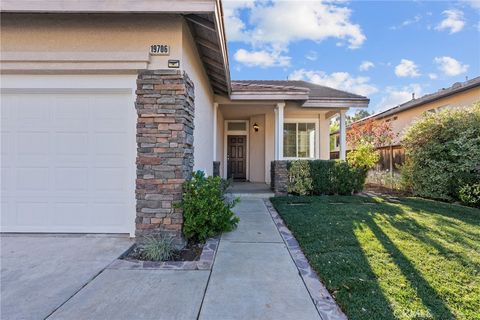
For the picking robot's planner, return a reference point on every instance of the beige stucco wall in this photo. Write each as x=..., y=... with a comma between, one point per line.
x=204, y=109
x=406, y=118
x=88, y=42
x=257, y=149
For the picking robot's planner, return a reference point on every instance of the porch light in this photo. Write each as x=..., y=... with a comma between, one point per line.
x=256, y=127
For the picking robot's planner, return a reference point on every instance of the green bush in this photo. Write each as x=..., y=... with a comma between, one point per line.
x=470, y=195
x=206, y=211
x=442, y=152
x=299, y=179
x=363, y=156
x=324, y=177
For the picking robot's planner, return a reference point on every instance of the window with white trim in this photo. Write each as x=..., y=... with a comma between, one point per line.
x=299, y=140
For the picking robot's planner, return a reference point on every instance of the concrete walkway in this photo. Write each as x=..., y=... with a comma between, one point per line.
x=253, y=276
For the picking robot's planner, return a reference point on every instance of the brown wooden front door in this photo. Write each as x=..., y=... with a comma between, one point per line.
x=237, y=157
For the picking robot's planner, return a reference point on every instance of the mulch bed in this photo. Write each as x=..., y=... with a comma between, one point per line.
x=191, y=252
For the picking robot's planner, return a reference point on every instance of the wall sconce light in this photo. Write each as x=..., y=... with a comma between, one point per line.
x=256, y=127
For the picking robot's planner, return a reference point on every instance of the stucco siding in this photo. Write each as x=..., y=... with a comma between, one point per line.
x=257, y=149
x=88, y=43
x=406, y=118
x=203, y=133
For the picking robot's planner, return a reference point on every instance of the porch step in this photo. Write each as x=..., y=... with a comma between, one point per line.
x=254, y=195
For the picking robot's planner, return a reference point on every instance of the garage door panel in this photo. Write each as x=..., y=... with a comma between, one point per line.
x=72, y=213
x=109, y=179
x=67, y=143
x=32, y=143
x=32, y=213
x=32, y=179
x=109, y=144
x=71, y=179
x=68, y=161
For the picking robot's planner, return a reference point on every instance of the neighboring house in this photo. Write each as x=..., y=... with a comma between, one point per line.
x=401, y=117
x=108, y=106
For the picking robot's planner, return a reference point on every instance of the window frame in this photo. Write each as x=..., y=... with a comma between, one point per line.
x=316, y=142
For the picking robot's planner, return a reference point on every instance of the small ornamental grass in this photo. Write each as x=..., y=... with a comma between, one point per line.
x=158, y=248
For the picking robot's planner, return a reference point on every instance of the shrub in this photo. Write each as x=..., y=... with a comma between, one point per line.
x=324, y=177
x=158, y=248
x=470, y=195
x=442, y=152
x=299, y=179
x=206, y=211
x=364, y=156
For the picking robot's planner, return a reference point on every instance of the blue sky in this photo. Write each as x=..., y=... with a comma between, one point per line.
x=382, y=49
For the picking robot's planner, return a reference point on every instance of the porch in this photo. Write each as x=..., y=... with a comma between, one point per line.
x=254, y=129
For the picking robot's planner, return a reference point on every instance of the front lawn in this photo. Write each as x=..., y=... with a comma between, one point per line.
x=411, y=259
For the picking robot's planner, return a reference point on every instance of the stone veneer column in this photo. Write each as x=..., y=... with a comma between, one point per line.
x=165, y=108
x=279, y=177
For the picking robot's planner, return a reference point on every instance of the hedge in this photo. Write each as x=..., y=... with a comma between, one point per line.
x=320, y=177
x=442, y=153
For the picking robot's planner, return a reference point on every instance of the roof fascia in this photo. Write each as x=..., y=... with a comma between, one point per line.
x=118, y=6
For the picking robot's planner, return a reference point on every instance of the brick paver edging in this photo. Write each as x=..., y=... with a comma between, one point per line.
x=324, y=302
x=204, y=263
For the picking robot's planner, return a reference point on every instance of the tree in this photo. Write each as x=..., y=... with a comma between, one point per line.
x=378, y=134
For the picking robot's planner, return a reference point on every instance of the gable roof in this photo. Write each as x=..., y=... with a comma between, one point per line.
x=314, y=95
x=440, y=94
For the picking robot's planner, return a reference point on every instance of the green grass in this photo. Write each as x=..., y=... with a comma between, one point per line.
x=415, y=259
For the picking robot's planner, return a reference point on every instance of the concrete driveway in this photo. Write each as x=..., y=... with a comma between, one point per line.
x=40, y=273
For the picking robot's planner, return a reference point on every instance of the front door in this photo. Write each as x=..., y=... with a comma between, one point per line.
x=236, y=157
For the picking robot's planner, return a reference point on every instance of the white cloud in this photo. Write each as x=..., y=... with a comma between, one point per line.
x=432, y=76
x=450, y=66
x=311, y=55
x=337, y=80
x=261, y=58
x=473, y=3
x=407, y=22
x=366, y=65
x=407, y=68
x=395, y=96
x=279, y=23
x=453, y=21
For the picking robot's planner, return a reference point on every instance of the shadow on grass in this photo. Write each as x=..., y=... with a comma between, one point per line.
x=425, y=292
x=325, y=228
x=411, y=227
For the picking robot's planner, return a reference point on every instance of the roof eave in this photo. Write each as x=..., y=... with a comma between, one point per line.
x=336, y=103
x=118, y=6
x=236, y=96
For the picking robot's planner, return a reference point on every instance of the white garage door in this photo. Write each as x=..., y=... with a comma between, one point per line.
x=68, y=161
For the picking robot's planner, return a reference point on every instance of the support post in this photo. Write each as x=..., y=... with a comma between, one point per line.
x=343, y=135
x=215, y=111
x=279, y=130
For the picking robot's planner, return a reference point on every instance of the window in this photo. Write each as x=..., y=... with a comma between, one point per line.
x=299, y=140
x=237, y=126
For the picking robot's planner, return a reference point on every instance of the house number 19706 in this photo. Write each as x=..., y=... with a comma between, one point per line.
x=160, y=49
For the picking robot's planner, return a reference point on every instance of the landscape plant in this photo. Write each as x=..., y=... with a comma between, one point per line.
x=158, y=247
x=318, y=177
x=442, y=153
x=207, y=212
